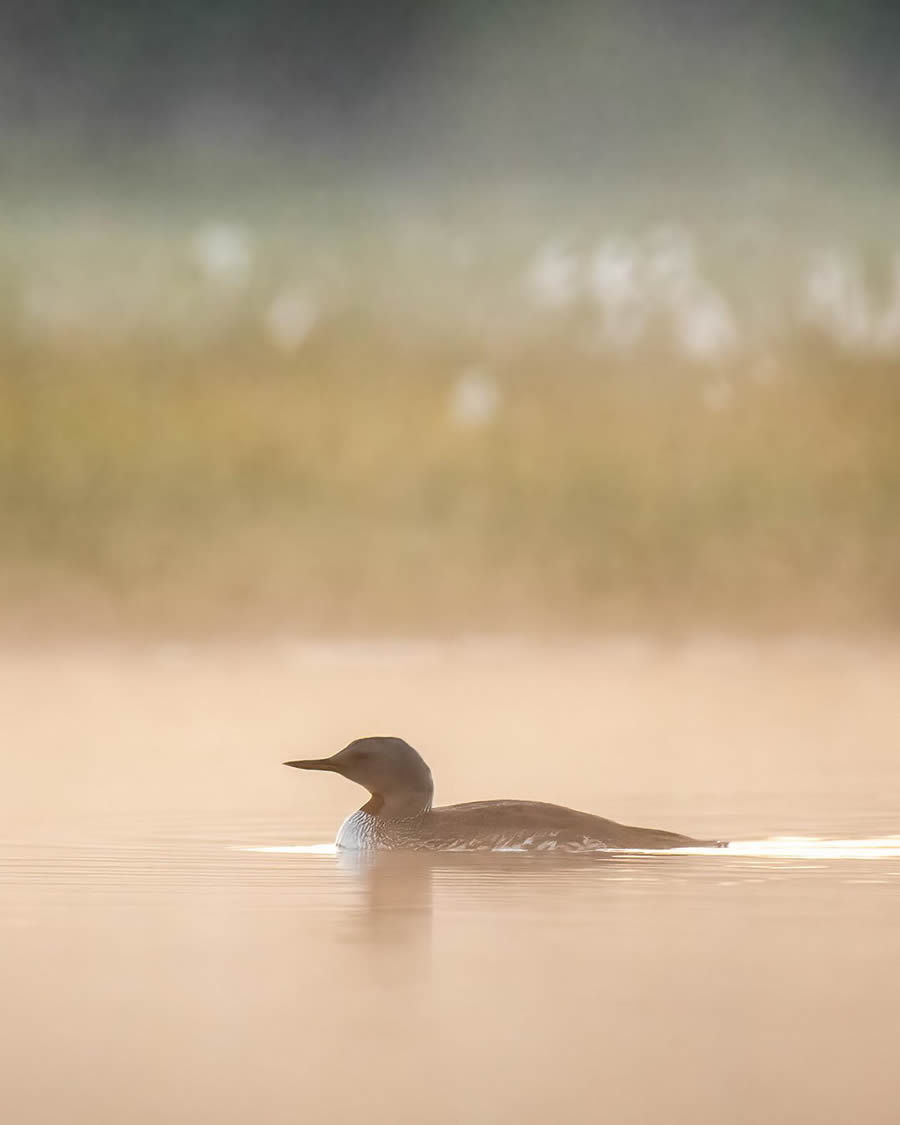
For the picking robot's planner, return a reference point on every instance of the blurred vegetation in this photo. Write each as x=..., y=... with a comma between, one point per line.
x=315, y=316
x=166, y=462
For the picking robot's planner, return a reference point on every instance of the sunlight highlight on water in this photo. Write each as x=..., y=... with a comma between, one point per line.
x=784, y=847
x=812, y=847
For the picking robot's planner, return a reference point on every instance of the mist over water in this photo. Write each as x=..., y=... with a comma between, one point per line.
x=522, y=380
x=181, y=939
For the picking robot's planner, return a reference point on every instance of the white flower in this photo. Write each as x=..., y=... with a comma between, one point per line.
x=552, y=277
x=614, y=283
x=289, y=318
x=475, y=398
x=224, y=251
x=834, y=299
x=704, y=323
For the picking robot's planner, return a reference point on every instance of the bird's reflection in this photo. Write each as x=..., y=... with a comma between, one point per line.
x=396, y=896
x=397, y=888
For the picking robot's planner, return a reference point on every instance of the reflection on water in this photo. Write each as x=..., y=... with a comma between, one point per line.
x=183, y=976
x=786, y=847
x=163, y=961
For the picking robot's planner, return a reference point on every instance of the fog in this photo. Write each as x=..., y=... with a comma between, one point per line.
x=520, y=380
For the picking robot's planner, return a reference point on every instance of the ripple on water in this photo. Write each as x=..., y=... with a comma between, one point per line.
x=783, y=847
x=168, y=867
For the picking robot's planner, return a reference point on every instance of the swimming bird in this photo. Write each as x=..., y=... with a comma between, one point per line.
x=399, y=815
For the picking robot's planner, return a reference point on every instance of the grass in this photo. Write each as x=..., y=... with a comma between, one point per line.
x=150, y=478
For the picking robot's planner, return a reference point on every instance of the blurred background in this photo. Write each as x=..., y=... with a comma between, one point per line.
x=442, y=316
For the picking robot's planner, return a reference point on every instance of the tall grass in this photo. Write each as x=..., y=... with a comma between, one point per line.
x=164, y=463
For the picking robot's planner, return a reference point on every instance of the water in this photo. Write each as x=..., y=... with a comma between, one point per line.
x=169, y=959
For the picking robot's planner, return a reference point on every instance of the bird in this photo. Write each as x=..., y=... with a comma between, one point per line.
x=399, y=813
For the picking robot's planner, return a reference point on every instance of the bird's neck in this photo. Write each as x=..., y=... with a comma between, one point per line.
x=402, y=805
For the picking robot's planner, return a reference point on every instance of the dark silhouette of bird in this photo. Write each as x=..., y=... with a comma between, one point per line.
x=399, y=815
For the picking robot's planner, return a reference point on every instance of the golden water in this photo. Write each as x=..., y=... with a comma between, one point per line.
x=179, y=942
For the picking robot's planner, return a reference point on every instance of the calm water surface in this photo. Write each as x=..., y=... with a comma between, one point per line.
x=180, y=960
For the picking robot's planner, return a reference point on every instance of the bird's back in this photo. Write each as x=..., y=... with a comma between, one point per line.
x=539, y=826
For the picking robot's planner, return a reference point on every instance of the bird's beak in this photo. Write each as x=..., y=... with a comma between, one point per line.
x=316, y=764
